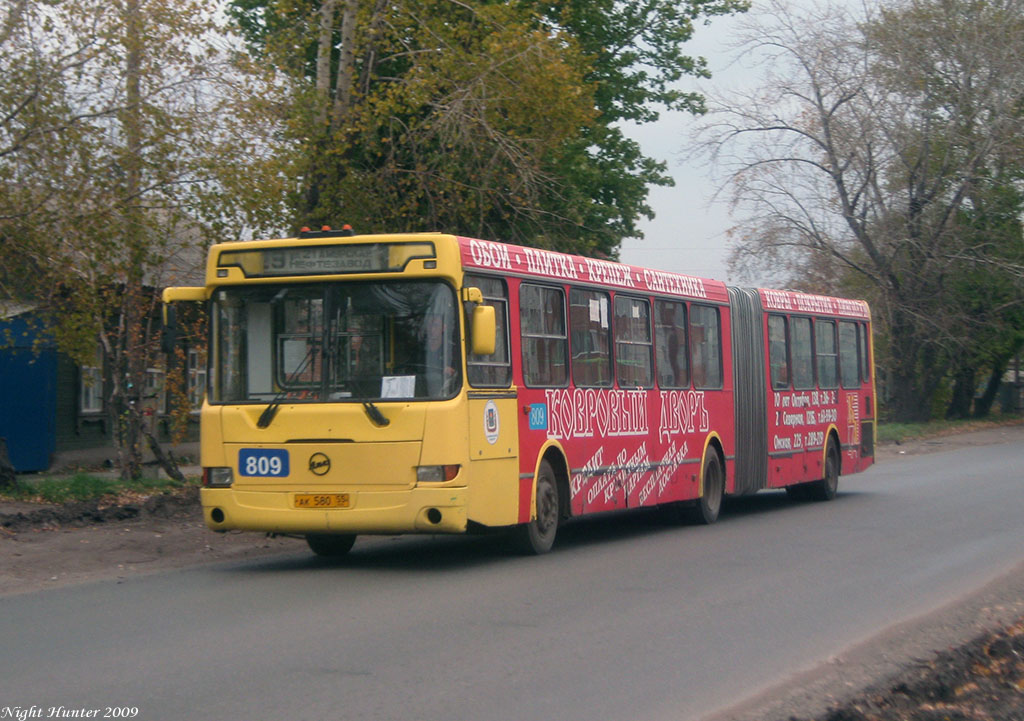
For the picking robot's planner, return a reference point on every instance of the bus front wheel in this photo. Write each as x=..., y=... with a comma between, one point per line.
x=330, y=545
x=538, y=536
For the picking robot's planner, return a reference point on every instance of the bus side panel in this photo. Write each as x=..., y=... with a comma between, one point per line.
x=577, y=419
x=623, y=447
x=493, y=469
x=494, y=491
x=784, y=413
x=848, y=428
x=799, y=421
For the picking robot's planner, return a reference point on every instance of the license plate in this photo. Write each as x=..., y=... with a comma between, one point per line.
x=321, y=500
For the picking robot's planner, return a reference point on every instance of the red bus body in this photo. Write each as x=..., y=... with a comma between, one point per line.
x=630, y=447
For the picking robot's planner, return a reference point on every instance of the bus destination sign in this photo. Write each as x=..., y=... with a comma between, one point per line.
x=323, y=260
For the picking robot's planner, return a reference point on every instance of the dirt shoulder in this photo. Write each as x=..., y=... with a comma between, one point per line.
x=46, y=546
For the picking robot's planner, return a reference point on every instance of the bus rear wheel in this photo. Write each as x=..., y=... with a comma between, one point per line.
x=538, y=536
x=825, y=489
x=330, y=545
x=709, y=505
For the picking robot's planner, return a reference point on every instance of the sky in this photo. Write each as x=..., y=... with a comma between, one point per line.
x=688, y=233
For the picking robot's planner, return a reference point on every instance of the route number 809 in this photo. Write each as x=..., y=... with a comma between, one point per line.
x=263, y=462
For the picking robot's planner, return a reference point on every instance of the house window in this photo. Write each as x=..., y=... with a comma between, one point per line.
x=155, y=390
x=90, y=392
x=196, y=378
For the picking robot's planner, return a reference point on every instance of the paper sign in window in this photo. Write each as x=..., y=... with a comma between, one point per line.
x=398, y=386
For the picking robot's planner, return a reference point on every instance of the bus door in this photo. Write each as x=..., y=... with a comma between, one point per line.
x=868, y=395
x=492, y=405
x=494, y=457
x=792, y=394
x=857, y=409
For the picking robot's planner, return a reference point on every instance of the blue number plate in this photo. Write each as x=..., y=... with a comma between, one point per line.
x=538, y=417
x=262, y=462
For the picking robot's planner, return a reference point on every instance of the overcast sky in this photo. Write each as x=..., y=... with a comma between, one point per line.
x=687, y=234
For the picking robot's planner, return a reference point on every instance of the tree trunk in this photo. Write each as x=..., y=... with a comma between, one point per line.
x=963, y=394
x=983, y=406
x=911, y=373
x=324, y=51
x=346, y=66
x=8, y=477
x=166, y=460
x=908, y=404
x=132, y=346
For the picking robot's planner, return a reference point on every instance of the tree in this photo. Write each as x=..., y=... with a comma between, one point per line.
x=117, y=133
x=635, y=60
x=482, y=118
x=874, y=148
x=989, y=310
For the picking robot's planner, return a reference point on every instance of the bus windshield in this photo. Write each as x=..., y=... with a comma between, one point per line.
x=337, y=342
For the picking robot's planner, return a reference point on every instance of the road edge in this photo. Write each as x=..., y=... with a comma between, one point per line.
x=869, y=664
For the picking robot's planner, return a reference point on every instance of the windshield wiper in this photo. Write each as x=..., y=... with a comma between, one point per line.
x=374, y=413
x=267, y=416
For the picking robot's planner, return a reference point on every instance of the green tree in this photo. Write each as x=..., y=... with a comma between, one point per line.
x=119, y=129
x=986, y=298
x=482, y=118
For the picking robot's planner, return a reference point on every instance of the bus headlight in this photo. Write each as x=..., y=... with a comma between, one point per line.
x=217, y=477
x=436, y=474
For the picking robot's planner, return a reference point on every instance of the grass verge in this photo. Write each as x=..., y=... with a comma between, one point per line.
x=901, y=432
x=86, y=487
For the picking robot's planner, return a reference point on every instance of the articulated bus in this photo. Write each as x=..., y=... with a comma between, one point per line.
x=427, y=383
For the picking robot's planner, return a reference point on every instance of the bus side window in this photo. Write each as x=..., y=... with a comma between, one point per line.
x=495, y=370
x=803, y=356
x=633, y=363
x=590, y=331
x=849, y=367
x=778, y=357
x=542, y=327
x=825, y=352
x=705, y=347
x=670, y=344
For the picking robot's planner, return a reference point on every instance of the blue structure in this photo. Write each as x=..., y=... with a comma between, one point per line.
x=28, y=395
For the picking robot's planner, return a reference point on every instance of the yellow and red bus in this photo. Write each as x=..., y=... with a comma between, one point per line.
x=428, y=383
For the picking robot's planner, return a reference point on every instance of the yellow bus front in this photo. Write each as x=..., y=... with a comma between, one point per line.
x=336, y=402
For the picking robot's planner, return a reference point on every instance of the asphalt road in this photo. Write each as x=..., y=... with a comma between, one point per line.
x=628, y=618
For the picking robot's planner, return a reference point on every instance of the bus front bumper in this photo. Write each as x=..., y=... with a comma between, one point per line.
x=419, y=510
